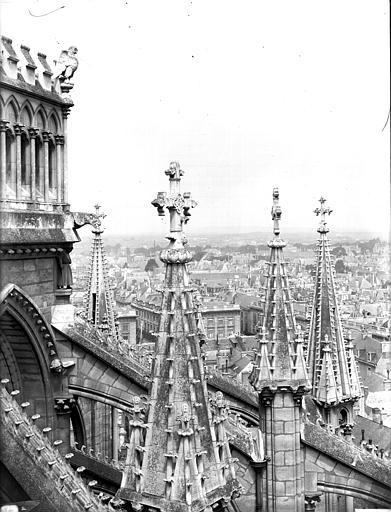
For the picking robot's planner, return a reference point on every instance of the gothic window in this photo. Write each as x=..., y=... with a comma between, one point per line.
x=10, y=160
x=343, y=417
x=39, y=165
x=52, y=165
x=25, y=160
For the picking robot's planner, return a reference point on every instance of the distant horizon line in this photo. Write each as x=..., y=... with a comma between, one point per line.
x=233, y=231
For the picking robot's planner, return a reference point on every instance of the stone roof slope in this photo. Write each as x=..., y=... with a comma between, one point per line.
x=337, y=448
x=125, y=361
x=46, y=475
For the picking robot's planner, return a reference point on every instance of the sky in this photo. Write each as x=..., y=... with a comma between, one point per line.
x=246, y=95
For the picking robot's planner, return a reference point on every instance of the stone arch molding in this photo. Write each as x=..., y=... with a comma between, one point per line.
x=373, y=494
x=27, y=107
x=19, y=304
x=12, y=103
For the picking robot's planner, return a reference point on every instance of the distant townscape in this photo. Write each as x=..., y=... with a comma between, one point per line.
x=230, y=279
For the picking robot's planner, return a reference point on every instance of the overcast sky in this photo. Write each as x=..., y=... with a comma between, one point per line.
x=246, y=95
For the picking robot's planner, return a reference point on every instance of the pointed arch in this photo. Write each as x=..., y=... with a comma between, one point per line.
x=2, y=108
x=10, y=161
x=54, y=124
x=26, y=114
x=78, y=429
x=344, y=416
x=19, y=304
x=39, y=165
x=28, y=351
x=40, y=118
x=25, y=155
x=52, y=164
x=12, y=110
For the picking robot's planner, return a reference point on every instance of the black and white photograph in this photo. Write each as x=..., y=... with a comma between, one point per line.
x=195, y=271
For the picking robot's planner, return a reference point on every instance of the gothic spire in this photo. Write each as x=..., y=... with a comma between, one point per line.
x=99, y=300
x=332, y=368
x=280, y=359
x=183, y=460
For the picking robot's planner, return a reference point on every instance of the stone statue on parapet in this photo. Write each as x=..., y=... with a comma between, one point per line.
x=66, y=65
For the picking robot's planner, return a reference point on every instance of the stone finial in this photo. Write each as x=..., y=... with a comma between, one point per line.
x=179, y=207
x=177, y=204
x=276, y=217
x=174, y=171
x=276, y=211
x=322, y=211
x=98, y=217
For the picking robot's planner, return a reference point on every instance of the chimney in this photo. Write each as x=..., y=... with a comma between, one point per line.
x=376, y=415
x=387, y=381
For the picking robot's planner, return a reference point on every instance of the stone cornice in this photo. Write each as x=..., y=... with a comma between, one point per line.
x=14, y=251
x=31, y=90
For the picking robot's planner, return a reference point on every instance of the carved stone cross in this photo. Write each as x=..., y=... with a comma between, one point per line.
x=177, y=204
x=276, y=211
x=322, y=211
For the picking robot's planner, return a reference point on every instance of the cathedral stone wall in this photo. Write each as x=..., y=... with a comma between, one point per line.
x=36, y=276
x=246, y=476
